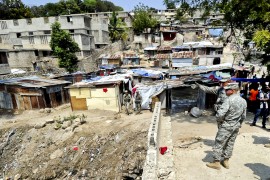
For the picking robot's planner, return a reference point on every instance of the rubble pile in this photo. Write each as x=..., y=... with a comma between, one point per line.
x=45, y=152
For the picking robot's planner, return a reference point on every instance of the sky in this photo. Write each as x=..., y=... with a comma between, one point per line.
x=128, y=5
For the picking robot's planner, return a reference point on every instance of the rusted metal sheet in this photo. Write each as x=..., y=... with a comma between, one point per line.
x=27, y=103
x=78, y=103
x=53, y=100
x=41, y=102
x=34, y=102
x=14, y=102
x=5, y=101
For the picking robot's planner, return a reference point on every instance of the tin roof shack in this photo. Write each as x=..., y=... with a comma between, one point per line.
x=204, y=51
x=100, y=93
x=32, y=93
x=183, y=98
x=111, y=60
x=131, y=59
x=195, y=70
x=162, y=60
x=150, y=52
x=182, y=59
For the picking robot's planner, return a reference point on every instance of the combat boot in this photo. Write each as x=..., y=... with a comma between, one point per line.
x=214, y=165
x=267, y=145
x=225, y=163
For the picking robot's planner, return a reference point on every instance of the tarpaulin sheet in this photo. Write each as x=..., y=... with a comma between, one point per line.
x=147, y=91
x=215, y=32
x=250, y=80
x=108, y=66
x=147, y=72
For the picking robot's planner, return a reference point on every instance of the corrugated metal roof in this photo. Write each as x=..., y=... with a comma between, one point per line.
x=165, y=48
x=130, y=55
x=182, y=54
x=150, y=48
x=162, y=56
x=33, y=81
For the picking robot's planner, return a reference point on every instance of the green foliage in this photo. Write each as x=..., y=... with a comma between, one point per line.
x=143, y=20
x=170, y=4
x=262, y=39
x=117, y=29
x=64, y=48
x=14, y=9
x=64, y=7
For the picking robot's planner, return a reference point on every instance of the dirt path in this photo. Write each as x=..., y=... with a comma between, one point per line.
x=193, y=139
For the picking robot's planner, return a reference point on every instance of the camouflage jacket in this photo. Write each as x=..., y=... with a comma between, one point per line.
x=232, y=112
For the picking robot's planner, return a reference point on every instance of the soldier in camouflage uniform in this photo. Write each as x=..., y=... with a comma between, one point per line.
x=220, y=92
x=127, y=100
x=230, y=115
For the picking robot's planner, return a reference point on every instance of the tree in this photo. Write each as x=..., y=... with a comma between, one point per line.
x=64, y=48
x=143, y=20
x=170, y=4
x=117, y=29
x=14, y=9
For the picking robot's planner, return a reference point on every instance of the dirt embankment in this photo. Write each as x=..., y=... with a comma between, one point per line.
x=105, y=145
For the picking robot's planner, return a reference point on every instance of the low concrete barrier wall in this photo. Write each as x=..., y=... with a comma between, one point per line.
x=150, y=166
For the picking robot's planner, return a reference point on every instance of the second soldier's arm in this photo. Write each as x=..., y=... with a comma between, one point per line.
x=206, y=89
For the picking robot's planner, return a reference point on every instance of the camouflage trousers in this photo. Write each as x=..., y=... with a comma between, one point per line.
x=224, y=142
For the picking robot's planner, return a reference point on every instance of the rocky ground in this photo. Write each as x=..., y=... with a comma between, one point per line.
x=62, y=144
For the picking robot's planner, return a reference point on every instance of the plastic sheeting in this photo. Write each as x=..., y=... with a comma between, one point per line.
x=147, y=72
x=147, y=91
x=215, y=32
x=216, y=75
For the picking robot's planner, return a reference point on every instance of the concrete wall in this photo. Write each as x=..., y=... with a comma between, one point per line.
x=4, y=69
x=22, y=59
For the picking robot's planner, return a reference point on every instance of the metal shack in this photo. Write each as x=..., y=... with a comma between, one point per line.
x=33, y=92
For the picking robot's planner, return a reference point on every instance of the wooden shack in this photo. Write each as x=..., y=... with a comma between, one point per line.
x=28, y=93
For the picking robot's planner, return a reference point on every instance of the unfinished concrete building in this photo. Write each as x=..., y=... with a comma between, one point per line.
x=26, y=41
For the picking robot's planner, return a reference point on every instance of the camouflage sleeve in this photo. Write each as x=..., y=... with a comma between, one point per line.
x=223, y=110
x=243, y=116
x=206, y=89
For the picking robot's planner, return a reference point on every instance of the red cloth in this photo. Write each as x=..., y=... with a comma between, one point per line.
x=163, y=150
x=105, y=90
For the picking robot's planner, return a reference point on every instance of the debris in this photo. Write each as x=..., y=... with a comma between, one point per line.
x=162, y=150
x=75, y=148
x=40, y=125
x=17, y=176
x=48, y=110
x=49, y=121
x=56, y=154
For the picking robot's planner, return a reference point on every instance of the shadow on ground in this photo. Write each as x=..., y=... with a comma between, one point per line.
x=208, y=142
x=260, y=170
x=181, y=117
x=260, y=140
x=208, y=157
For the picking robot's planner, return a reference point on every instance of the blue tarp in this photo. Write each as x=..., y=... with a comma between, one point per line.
x=215, y=32
x=108, y=66
x=144, y=73
x=250, y=80
x=92, y=79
